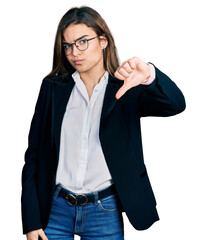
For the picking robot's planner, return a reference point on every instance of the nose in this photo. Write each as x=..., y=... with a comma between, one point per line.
x=75, y=50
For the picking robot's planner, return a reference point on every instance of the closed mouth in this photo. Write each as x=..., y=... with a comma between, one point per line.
x=78, y=61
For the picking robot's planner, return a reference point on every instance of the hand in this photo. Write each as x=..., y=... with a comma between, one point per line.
x=133, y=72
x=34, y=235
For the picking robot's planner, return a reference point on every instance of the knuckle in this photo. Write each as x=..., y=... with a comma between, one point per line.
x=124, y=72
x=124, y=64
x=116, y=74
x=120, y=70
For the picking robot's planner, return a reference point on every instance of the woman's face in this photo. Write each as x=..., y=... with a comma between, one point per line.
x=90, y=60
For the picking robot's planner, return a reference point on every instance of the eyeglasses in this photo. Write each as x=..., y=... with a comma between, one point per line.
x=81, y=44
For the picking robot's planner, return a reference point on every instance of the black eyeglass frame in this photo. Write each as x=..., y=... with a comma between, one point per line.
x=70, y=45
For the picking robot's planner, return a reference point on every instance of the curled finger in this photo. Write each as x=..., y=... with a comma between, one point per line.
x=126, y=66
x=118, y=75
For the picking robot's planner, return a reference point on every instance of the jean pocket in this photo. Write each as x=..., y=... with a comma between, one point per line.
x=110, y=203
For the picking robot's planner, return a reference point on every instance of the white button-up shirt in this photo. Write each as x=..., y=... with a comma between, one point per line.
x=82, y=167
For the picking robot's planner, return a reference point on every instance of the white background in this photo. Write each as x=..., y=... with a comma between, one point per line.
x=170, y=34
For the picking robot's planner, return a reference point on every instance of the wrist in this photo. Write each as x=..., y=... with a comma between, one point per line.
x=151, y=76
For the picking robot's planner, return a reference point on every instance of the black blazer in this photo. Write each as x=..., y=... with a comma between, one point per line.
x=120, y=137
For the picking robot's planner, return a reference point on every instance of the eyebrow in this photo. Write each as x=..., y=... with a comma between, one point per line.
x=76, y=39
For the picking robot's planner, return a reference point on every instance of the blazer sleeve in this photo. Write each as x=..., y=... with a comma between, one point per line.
x=29, y=199
x=161, y=98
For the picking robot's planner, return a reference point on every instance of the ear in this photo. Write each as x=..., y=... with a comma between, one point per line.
x=103, y=41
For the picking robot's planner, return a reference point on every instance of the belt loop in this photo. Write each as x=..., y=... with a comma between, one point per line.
x=57, y=190
x=95, y=197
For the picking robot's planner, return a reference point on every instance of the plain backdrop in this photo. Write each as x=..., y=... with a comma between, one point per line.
x=171, y=35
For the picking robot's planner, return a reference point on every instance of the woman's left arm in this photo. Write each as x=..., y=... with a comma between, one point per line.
x=161, y=98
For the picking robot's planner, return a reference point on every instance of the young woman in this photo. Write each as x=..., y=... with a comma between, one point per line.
x=84, y=163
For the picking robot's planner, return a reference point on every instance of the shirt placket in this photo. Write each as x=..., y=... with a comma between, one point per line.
x=85, y=134
x=84, y=149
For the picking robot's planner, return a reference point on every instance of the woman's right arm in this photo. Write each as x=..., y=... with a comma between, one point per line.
x=29, y=200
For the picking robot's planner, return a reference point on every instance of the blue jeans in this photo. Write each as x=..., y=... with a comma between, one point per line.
x=101, y=220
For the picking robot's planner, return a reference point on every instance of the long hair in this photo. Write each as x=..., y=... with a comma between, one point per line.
x=91, y=18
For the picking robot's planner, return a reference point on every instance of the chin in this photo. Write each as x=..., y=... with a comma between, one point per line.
x=82, y=69
x=79, y=68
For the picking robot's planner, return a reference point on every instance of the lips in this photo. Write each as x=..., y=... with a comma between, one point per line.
x=78, y=61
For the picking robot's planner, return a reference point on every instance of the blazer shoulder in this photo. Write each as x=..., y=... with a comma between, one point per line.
x=50, y=80
x=58, y=80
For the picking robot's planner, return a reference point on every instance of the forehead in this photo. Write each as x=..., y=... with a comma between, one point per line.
x=75, y=31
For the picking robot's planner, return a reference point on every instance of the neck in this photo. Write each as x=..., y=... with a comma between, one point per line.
x=91, y=78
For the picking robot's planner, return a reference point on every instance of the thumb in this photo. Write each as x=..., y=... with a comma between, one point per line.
x=42, y=235
x=121, y=91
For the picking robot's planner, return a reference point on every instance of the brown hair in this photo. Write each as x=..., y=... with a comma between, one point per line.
x=92, y=19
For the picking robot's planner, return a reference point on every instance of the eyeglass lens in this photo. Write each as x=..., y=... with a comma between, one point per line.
x=81, y=44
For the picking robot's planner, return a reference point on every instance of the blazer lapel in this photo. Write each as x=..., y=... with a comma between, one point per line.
x=109, y=98
x=62, y=93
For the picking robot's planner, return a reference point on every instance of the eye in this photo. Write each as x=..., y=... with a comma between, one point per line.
x=67, y=46
x=82, y=41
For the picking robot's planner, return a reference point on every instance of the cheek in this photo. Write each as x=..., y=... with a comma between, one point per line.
x=69, y=60
x=95, y=55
